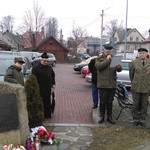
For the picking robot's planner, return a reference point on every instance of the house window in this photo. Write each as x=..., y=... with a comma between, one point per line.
x=137, y=38
x=131, y=38
x=128, y=48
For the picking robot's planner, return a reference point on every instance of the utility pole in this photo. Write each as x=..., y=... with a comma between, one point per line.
x=102, y=15
x=125, y=49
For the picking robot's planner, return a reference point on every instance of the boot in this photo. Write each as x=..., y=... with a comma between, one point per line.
x=102, y=113
x=102, y=119
x=109, y=119
x=109, y=113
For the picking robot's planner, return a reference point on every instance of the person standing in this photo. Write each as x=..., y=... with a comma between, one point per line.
x=13, y=73
x=139, y=72
x=93, y=71
x=106, y=82
x=45, y=76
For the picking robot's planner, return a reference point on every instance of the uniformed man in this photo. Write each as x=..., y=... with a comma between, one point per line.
x=106, y=82
x=140, y=85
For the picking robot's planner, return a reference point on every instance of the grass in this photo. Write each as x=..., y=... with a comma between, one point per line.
x=119, y=138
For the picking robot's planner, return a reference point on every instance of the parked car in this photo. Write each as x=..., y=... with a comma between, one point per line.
x=85, y=70
x=8, y=60
x=79, y=66
x=30, y=55
x=4, y=52
x=88, y=77
x=122, y=76
x=51, y=58
x=85, y=56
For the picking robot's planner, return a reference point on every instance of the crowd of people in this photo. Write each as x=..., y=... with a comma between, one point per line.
x=104, y=81
x=106, y=77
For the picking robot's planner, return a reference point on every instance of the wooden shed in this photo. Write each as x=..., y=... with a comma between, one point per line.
x=51, y=45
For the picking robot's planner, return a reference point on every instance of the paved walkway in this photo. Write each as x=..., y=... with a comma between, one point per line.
x=72, y=118
x=73, y=137
x=73, y=97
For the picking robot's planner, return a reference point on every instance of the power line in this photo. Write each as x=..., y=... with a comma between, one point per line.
x=91, y=23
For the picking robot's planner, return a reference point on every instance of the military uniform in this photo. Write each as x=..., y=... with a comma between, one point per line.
x=106, y=82
x=140, y=86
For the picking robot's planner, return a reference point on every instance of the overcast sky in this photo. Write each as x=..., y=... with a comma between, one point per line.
x=84, y=13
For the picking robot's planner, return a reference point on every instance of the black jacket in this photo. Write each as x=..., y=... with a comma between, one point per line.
x=93, y=70
x=45, y=77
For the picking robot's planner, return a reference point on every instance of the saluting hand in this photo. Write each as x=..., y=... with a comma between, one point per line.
x=109, y=57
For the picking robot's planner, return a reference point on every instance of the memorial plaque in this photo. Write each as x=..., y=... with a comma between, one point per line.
x=8, y=112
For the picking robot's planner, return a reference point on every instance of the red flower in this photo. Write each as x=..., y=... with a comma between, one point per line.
x=51, y=135
x=42, y=131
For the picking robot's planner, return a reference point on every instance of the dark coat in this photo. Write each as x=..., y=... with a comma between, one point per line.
x=140, y=76
x=46, y=79
x=93, y=70
x=106, y=75
x=14, y=75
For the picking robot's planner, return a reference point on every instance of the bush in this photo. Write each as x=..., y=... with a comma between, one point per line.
x=34, y=102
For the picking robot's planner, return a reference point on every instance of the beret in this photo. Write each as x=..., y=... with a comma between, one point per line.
x=44, y=55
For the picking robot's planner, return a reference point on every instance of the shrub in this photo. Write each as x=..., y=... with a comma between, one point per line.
x=34, y=102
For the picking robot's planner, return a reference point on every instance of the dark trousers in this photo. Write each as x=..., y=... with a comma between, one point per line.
x=140, y=103
x=47, y=105
x=106, y=100
x=95, y=94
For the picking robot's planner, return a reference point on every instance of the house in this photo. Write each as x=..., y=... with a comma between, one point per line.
x=134, y=40
x=14, y=40
x=90, y=45
x=81, y=49
x=4, y=46
x=51, y=45
x=32, y=39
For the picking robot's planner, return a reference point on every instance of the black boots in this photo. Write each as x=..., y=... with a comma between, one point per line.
x=109, y=113
x=109, y=119
x=102, y=119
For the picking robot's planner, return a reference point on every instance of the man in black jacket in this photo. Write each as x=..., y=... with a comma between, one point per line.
x=46, y=79
x=93, y=71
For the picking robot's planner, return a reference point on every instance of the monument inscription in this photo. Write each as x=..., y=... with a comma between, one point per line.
x=8, y=112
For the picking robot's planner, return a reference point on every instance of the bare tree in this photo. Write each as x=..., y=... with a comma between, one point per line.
x=111, y=27
x=7, y=23
x=79, y=32
x=34, y=19
x=33, y=22
x=51, y=27
x=146, y=34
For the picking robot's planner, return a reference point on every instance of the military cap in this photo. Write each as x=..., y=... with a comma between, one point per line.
x=108, y=47
x=18, y=59
x=142, y=49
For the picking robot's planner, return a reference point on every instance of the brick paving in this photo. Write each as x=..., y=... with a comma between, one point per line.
x=73, y=97
x=74, y=101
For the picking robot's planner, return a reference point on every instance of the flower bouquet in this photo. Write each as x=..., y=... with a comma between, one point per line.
x=13, y=147
x=46, y=137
